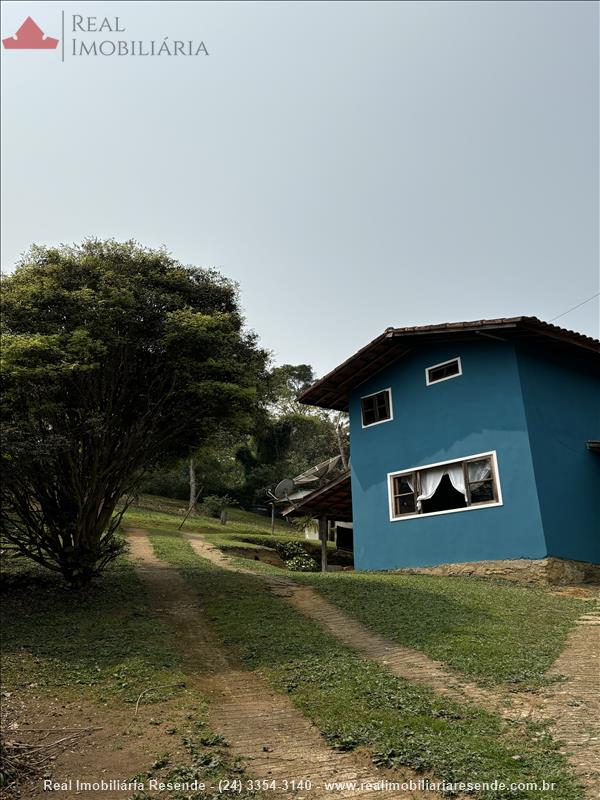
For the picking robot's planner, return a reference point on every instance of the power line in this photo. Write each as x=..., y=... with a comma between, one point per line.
x=583, y=302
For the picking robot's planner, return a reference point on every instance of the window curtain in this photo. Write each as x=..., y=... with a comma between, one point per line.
x=457, y=478
x=430, y=480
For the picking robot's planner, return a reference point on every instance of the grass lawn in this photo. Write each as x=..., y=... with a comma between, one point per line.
x=354, y=701
x=69, y=656
x=159, y=512
x=495, y=631
x=65, y=650
x=105, y=640
x=244, y=530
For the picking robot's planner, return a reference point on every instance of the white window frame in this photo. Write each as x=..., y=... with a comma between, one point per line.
x=380, y=421
x=495, y=473
x=443, y=364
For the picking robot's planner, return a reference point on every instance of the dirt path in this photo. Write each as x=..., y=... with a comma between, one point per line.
x=275, y=741
x=571, y=705
x=402, y=661
x=574, y=704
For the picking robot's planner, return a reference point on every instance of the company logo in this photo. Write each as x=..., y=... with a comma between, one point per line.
x=100, y=37
x=30, y=37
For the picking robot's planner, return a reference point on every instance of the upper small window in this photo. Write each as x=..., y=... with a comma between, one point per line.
x=376, y=407
x=443, y=371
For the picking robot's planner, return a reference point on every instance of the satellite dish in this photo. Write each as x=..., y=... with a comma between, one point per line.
x=315, y=474
x=284, y=488
x=302, y=479
x=298, y=494
x=333, y=462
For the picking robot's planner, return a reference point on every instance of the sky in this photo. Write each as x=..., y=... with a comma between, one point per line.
x=352, y=165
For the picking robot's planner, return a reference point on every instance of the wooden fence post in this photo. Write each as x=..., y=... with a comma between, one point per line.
x=323, y=526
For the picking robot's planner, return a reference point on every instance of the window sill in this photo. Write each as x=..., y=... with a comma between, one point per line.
x=379, y=422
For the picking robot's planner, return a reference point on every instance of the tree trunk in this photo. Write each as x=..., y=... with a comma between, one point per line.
x=192, y=502
x=338, y=436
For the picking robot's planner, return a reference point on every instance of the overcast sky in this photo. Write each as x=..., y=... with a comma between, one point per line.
x=353, y=165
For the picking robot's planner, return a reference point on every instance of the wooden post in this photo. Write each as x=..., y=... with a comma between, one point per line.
x=323, y=526
x=272, y=518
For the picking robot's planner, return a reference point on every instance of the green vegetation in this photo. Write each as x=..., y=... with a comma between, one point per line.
x=108, y=641
x=116, y=647
x=356, y=702
x=495, y=631
x=207, y=762
x=158, y=512
x=289, y=437
x=244, y=531
x=116, y=359
x=107, y=648
x=285, y=439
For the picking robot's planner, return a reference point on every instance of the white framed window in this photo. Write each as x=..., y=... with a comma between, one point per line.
x=462, y=484
x=376, y=408
x=444, y=371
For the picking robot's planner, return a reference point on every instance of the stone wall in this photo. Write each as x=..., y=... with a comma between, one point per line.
x=554, y=571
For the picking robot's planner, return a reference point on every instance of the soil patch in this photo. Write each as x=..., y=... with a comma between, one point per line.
x=113, y=743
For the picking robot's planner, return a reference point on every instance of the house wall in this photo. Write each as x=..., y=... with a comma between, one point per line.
x=481, y=410
x=562, y=405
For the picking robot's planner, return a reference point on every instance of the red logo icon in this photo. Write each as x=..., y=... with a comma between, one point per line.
x=30, y=37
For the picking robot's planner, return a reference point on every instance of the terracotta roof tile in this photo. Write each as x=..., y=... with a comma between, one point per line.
x=332, y=390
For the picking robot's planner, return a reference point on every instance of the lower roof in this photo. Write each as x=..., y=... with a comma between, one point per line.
x=332, y=390
x=333, y=501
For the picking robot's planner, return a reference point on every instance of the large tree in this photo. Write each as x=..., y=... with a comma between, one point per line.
x=116, y=359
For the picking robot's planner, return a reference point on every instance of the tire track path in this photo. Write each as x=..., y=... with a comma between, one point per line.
x=263, y=728
x=571, y=706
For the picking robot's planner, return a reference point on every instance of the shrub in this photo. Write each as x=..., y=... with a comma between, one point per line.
x=302, y=563
x=288, y=550
x=304, y=524
x=213, y=504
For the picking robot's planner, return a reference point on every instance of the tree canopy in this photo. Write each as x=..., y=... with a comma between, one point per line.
x=283, y=386
x=116, y=359
x=288, y=437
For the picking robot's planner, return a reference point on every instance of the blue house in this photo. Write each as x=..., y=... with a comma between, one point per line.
x=469, y=441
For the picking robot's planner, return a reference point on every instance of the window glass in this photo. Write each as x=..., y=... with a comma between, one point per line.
x=375, y=408
x=404, y=495
x=368, y=411
x=404, y=504
x=402, y=485
x=480, y=479
x=482, y=492
x=479, y=470
x=443, y=371
x=382, y=405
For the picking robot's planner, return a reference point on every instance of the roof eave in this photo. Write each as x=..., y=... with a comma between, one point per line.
x=333, y=389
